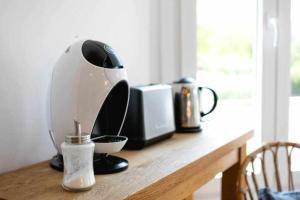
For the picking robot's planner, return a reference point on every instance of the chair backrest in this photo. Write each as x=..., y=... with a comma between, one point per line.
x=266, y=159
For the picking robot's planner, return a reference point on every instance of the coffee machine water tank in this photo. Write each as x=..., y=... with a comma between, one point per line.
x=89, y=85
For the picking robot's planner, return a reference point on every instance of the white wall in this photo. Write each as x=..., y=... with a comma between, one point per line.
x=33, y=34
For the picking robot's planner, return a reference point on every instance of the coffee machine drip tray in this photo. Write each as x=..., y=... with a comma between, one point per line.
x=103, y=163
x=57, y=162
x=108, y=164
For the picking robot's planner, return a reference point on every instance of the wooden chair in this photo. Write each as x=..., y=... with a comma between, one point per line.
x=266, y=159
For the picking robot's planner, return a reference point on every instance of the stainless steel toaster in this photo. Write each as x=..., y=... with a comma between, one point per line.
x=150, y=115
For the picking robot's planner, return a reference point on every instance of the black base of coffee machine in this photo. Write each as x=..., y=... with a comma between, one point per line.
x=189, y=130
x=103, y=163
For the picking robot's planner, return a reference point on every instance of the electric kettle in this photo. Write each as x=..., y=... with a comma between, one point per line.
x=187, y=105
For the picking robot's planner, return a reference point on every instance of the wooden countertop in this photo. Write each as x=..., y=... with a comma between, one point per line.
x=152, y=171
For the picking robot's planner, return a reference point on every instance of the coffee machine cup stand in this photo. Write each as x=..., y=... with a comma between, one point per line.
x=104, y=163
x=89, y=85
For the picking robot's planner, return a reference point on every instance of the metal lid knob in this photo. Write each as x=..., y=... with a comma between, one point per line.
x=75, y=139
x=78, y=138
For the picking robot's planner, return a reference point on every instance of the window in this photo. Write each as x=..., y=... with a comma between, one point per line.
x=243, y=53
x=294, y=107
x=226, y=41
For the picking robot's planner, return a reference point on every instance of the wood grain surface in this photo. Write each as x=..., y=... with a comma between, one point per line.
x=172, y=169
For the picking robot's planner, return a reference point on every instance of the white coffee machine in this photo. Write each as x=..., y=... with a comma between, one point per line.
x=89, y=85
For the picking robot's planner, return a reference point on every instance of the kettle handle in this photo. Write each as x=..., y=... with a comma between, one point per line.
x=215, y=100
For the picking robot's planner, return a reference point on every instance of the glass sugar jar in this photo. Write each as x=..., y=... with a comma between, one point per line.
x=78, y=153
